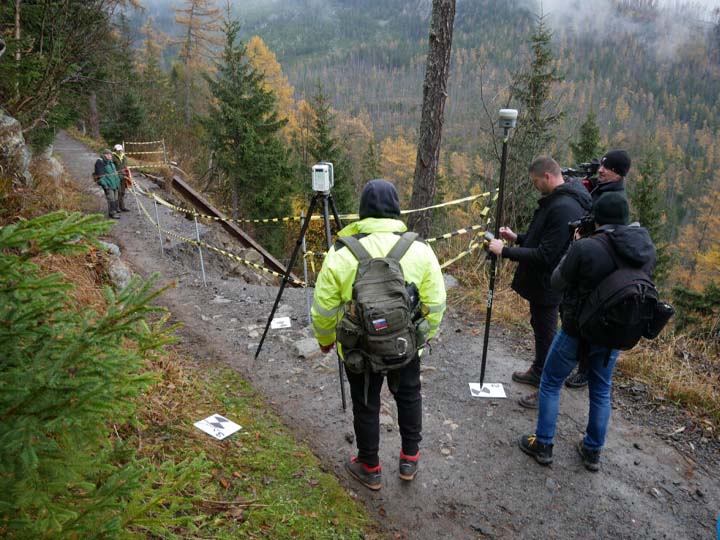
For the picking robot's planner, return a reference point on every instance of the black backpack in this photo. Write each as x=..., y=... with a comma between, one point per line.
x=622, y=308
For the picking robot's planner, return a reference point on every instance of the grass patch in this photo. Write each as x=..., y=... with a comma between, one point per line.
x=261, y=482
x=678, y=369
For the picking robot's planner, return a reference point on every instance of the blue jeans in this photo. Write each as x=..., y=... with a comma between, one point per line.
x=561, y=359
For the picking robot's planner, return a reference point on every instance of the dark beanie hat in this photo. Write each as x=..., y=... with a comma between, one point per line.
x=379, y=199
x=617, y=161
x=611, y=208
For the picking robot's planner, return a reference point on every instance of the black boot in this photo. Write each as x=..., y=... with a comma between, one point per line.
x=540, y=451
x=113, y=210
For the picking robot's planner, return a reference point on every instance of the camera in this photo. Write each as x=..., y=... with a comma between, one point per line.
x=585, y=170
x=585, y=225
x=323, y=177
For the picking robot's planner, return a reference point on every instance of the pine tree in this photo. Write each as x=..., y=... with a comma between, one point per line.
x=242, y=129
x=645, y=198
x=371, y=162
x=200, y=20
x=537, y=119
x=587, y=147
x=67, y=374
x=323, y=146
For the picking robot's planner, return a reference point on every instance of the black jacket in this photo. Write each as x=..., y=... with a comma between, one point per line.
x=598, y=188
x=547, y=238
x=588, y=262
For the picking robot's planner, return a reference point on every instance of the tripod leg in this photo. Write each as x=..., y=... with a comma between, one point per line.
x=336, y=216
x=328, y=238
x=286, y=277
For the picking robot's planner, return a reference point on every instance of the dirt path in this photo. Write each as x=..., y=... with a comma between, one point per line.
x=474, y=482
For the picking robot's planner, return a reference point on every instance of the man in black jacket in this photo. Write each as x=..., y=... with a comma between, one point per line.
x=614, y=167
x=586, y=264
x=538, y=252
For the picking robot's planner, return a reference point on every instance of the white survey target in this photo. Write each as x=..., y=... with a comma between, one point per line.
x=280, y=322
x=217, y=426
x=488, y=390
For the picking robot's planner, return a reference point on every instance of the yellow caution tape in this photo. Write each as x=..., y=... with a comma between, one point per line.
x=217, y=250
x=138, y=143
x=143, y=153
x=149, y=165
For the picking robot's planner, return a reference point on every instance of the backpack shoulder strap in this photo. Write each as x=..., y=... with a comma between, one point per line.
x=402, y=245
x=355, y=247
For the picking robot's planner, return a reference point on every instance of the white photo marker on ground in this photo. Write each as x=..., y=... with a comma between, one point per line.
x=280, y=322
x=217, y=426
x=488, y=390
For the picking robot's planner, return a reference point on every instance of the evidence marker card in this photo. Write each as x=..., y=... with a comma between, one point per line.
x=217, y=426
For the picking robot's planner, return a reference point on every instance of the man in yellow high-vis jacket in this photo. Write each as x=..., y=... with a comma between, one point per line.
x=378, y=231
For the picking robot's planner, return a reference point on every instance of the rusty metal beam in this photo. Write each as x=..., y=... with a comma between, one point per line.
x=204, y=207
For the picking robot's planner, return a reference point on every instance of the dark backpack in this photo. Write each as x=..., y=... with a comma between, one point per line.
x=622, y=308
x=377, y=331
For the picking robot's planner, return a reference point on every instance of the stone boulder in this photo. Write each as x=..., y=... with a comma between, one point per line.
x=46, y=165
x=14, y=154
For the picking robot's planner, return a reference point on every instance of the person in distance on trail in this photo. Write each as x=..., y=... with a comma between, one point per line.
x=538, y=252
x=614, y=167
x=343, y=295
x=121, y=165
x=586, y=264
x=106, y=175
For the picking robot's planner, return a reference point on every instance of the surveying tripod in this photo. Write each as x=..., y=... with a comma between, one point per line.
x=324, y=198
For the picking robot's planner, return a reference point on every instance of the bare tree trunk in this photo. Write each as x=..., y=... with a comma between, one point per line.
x=17, y=50
x=94, y=119
x=434, y=95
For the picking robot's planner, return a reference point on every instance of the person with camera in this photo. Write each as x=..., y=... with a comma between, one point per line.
x=376, y=318
x=611, y=173
x=586, y=264
x=537, y=252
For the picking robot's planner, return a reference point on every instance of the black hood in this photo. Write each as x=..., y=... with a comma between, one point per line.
x=379, y=199
x=575, y=189
x=632, y=243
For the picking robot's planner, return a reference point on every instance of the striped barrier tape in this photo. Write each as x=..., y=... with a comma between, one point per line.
x=223, y=252
x=349, y=217
x=143, y=153
x=140, y=143
x=465, y=253
x=156, y=164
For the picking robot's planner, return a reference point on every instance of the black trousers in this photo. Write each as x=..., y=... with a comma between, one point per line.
x=405, y=386
x=544, y=321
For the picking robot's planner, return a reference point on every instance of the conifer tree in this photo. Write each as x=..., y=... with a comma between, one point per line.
x=323, y=146
x=200, y=19
x=645, y=198
x=371, y=162
x=538, y=117
x=242, y=129
x=588, y=145
x=67, y=374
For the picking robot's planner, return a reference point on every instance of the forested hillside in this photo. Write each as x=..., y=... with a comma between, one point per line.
x=346, y=77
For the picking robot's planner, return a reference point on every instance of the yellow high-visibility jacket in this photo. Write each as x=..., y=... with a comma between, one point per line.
x=334, y=283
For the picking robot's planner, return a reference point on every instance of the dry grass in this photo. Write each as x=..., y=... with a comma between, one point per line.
x=45, y=196
x=681, y=370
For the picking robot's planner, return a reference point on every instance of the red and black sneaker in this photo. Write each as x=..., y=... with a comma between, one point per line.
x=408, y=466
x=370, y=477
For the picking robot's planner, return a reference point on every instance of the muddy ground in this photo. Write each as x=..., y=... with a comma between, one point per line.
x=473, y=482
